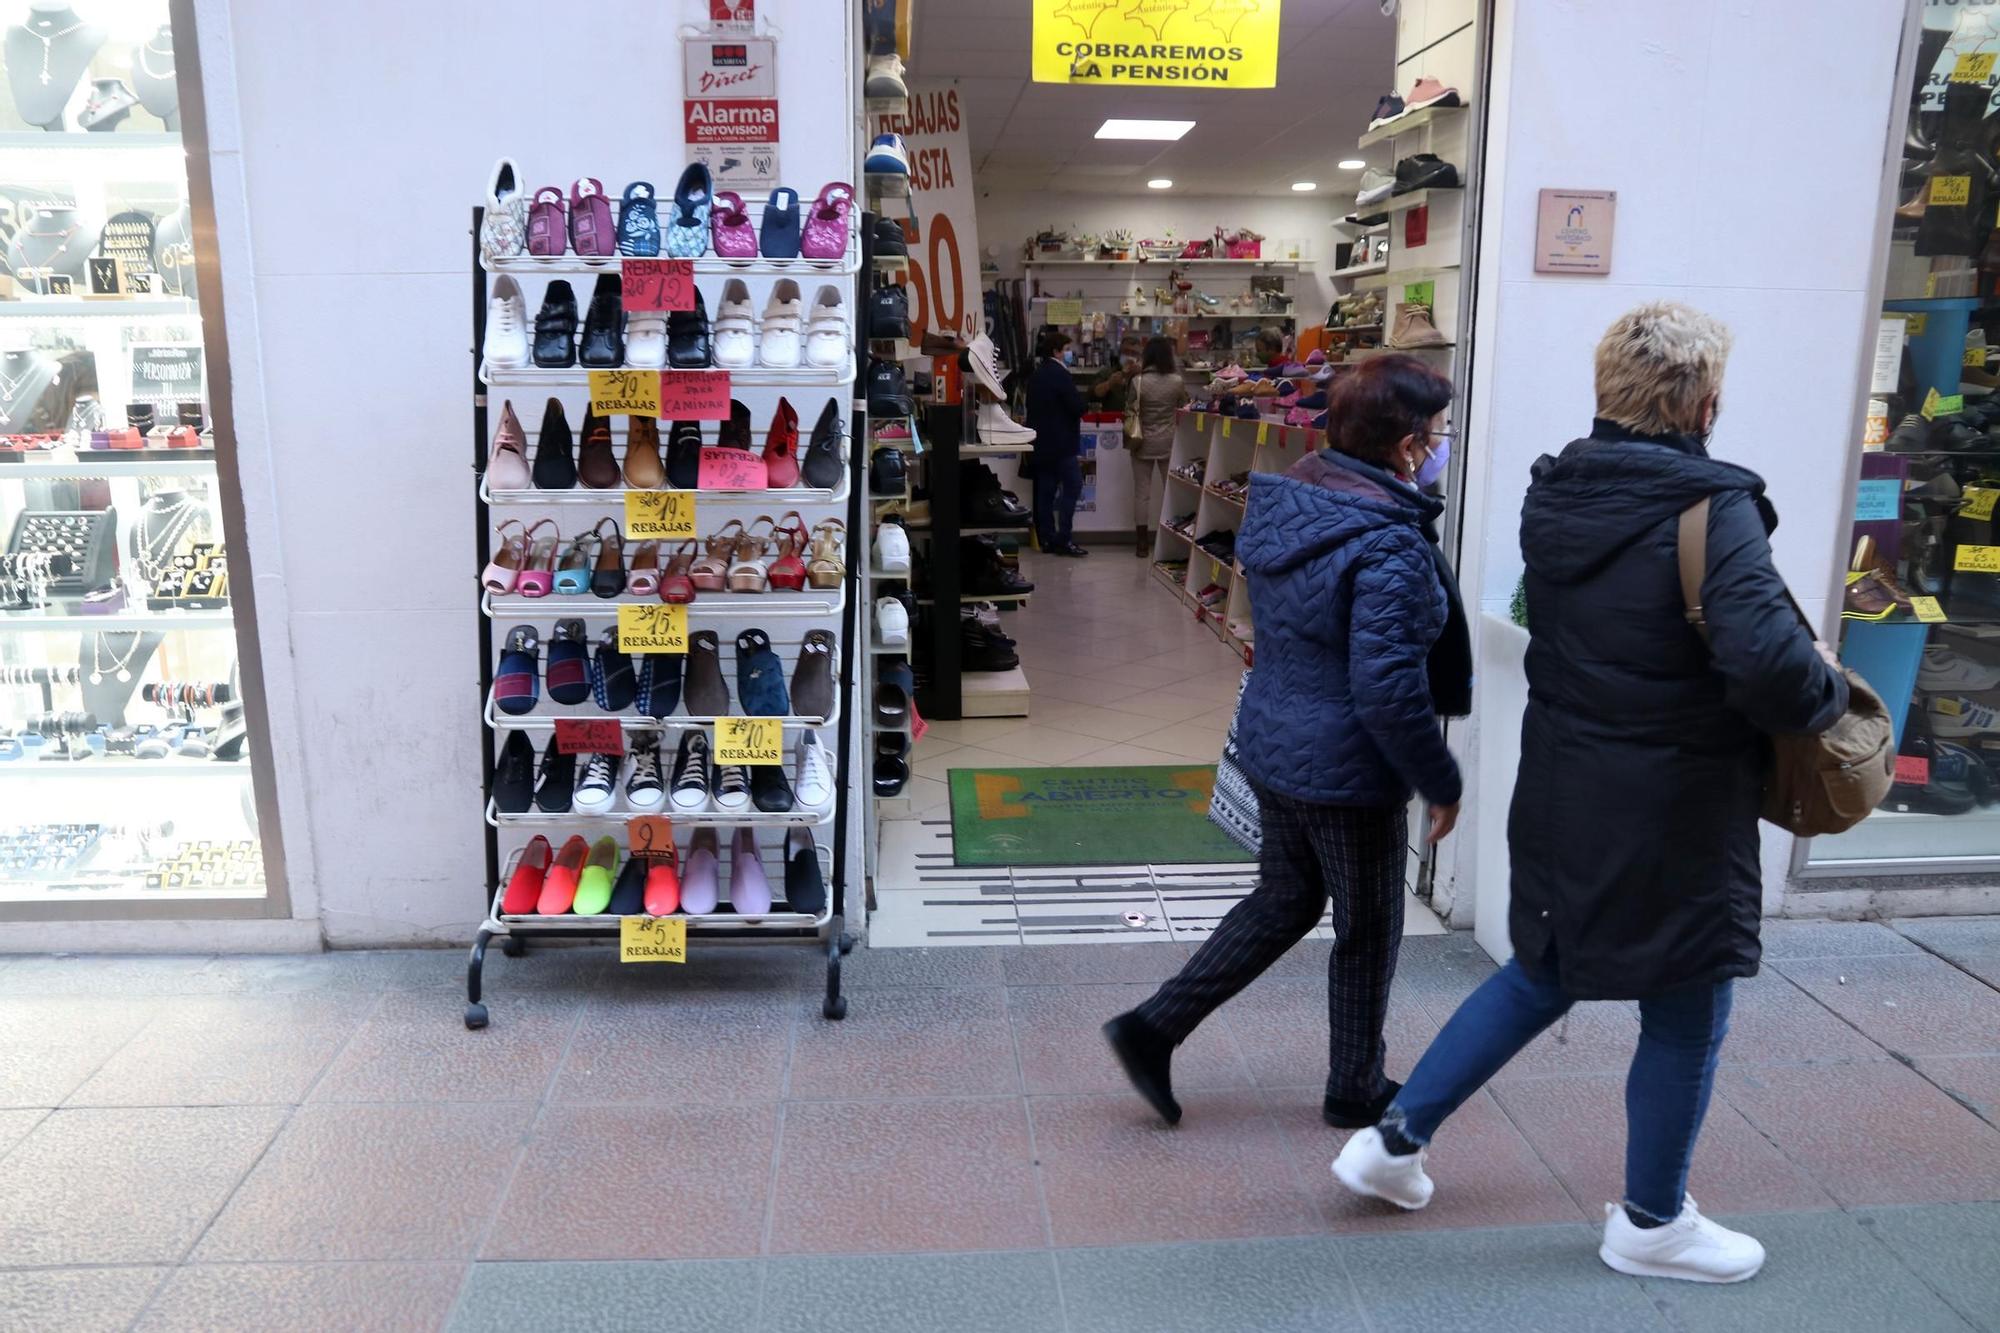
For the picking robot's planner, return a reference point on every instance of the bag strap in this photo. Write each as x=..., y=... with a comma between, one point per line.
x=1693, y=543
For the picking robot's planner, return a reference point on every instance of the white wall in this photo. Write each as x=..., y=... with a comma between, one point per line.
x=1649, y=100
x=351, y=144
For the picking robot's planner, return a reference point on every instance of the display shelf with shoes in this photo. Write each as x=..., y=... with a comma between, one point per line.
x=1410, y=122
x=715, y=891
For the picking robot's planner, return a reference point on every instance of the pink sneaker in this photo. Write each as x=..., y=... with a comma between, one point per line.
x=828, y=228
x=1429, y=92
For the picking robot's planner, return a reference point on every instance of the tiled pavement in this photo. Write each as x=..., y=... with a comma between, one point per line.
x=308, y=1143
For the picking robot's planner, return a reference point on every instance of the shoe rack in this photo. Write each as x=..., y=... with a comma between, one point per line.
x=1219, y=448
x=1432, y=265
x=787, y=617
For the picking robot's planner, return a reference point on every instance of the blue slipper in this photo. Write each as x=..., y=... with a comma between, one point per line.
x=569, y=663
x=611, y=680
x=687, y=220
x=660, y=683
x=760, y=677
x=778, y=236
x=639, y=222
x=517, y=685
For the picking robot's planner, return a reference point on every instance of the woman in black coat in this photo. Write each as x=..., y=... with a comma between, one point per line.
x=1633, y=836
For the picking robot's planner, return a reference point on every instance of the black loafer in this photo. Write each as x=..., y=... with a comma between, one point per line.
x=1147, y=1059
x=555, y=327
x=687, y=337
x=604, y=324
x=769, y=791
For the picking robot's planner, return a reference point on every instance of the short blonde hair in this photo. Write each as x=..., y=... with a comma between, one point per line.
x=1656, y=366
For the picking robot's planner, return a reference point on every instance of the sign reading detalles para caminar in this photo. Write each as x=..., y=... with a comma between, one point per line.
x=944, y=254
x=1157, y=43
x=730, y=111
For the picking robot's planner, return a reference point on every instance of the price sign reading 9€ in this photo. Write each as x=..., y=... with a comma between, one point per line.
x=652, y=629
x=749, y=740
x=659, y=514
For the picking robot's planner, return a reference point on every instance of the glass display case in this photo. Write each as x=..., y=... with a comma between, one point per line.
x=124, y=764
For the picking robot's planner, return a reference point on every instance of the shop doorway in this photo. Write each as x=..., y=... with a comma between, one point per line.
x=1271, y=242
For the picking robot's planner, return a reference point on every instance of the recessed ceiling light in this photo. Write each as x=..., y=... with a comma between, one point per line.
x=1352, y=164
x=1159, y=183
x=1144, y=129
x=1305, y=187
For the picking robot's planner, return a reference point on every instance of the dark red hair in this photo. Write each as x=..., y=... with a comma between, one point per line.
x=1371, y=408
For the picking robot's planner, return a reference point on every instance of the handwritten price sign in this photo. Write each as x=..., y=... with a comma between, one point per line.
x=625, y=393
x=1978, y=502
x=659, y=284
x=653, y=629
x=1947, y=191
x=659, y=514
x=650, y=835
x=575, y=735
x=652, y=939
x=694, y=395
x=731, y=470
x=749, y=740
x=1978, y=559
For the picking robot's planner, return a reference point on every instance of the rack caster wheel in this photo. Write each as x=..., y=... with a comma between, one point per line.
x=513, y=946
x=835, y=1007
x=475, y=1016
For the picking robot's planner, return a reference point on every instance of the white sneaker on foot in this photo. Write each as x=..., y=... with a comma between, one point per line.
x=1366, y=1167
x=1690, y=1247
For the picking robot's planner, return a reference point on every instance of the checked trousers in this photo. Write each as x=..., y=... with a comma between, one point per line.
x=1352, y=857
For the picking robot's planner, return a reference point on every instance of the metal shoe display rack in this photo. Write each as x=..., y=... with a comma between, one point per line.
x=785, y=616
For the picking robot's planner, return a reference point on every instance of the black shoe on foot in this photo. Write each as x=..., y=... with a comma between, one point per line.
x=1359, y=1115
x=1147, y=1058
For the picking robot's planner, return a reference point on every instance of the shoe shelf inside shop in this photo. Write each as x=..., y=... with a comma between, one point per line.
x=1121, y=304
x=787, y=617
x=1222, y=452
x=1425, y=273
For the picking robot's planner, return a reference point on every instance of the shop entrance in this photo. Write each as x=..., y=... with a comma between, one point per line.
x=1272, y=240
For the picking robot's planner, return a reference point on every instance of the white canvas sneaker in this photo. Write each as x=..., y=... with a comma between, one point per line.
x=885, y=78
x=1366, y=1167
x=735, y=339
x=784, y=315
x=996, y=427
x=812, y=781
x=1690, y=1248
x=986, y=364
x=826, y=330
x=506, y=341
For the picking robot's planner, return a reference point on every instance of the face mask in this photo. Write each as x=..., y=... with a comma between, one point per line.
x=1069, y=356
x=1432, y=468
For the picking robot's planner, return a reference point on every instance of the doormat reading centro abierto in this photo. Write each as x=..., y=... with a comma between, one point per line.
x=1086, y=816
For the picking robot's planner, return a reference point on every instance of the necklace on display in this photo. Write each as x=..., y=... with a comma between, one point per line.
x=48, y=42
x=10, y=385
x=150, y=50
x=120, y=667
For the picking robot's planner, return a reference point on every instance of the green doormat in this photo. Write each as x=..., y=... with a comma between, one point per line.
x=1086, y=816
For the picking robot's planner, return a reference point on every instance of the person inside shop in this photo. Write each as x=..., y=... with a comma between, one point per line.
x=1362, y=645
x=1111, y=391
x=1633, y=837
x=1270, y=354
x=1055, y=413
x=1158, y=393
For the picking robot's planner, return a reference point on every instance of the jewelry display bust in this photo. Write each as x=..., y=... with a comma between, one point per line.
x=52, y=238
x=26, y=377
x=48, y=54
x=153, y=77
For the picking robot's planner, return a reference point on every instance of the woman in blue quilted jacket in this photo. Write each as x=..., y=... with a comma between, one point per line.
x=1361, y=646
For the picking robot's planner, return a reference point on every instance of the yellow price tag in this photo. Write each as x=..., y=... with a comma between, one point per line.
x=1227, y=422
x=1975, y=357
x=653, y=629
x=1949, y=190
x=652, y=939
x=1972, y=67
x=1947, y=705
x=1979, y=502
x=1263, y=432
x=632, y=392
x=749, y=740
x=1200, y=421
x=1914, y=325
x=1978, y=560
x=1929, y=410
x=1927, y=610
x=659, y=514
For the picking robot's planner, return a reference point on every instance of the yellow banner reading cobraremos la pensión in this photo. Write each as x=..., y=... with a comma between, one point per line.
x=1158, y=43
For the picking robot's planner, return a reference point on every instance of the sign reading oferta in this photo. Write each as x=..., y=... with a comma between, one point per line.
x=1157, y=43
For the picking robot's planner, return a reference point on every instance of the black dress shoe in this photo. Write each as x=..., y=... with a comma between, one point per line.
x=687, y=337
x=684, y=455
x=604, y=324
x=769, y=791
x=1147, y=1058
x=821, y=466
x=887, y=473
x=514, y=775
x=992, y=509
x=555, y=327
x=555, y=457
x=1358, y=1115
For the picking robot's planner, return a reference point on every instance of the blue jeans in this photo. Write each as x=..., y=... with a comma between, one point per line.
x=1058, y=486
x=1666, y=1089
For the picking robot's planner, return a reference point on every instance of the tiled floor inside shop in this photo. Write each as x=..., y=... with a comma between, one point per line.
x=1121, y=674
x=312, y=1143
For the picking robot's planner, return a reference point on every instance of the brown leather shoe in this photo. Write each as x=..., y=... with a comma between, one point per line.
x=643, y=469
x=1874, y=596
x=596, y=465
x=1414, y=328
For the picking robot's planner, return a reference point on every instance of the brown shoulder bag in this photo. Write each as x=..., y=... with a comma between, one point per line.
x=1816, y=784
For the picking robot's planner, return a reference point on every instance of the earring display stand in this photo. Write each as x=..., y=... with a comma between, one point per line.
x=786, y=617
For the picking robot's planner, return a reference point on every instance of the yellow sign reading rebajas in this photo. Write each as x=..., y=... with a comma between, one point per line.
x=1157, y=43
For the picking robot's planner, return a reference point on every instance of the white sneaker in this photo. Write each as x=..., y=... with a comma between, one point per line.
x=986, y=364
x=783, y=317
x=996, y=427
x=1690, y=1247
x=887, y=156
x=734, y=330
x=1944, y=669
x=646, y=340
x=1955, y=715
x=892, y=551
x=1366, y=1167
x=826, y=331
x=812, y=779
x=506, y=341
x=885, y=78
x=892, y=623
